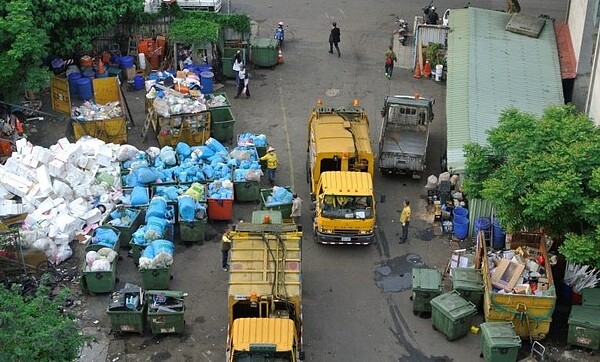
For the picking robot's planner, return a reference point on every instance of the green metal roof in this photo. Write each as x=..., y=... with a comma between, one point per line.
x=491, y=69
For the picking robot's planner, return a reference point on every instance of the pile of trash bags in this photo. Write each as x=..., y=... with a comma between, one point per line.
x=157, y=255
x=251, y=139
x=279, y=196
x=190, y=209
x=123, y=217
x=106, y=237
x=220, y=190
x=154, y=229
x=100, y=260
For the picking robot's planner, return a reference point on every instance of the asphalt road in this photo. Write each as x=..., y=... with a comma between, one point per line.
x=347, y=316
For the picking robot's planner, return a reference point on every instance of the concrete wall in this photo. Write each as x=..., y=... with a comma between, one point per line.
x=583, y=25
x=593, y=99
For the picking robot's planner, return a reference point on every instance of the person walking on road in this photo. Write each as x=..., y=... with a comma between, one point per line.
x=405, y=220
x=334, y=39
x=272, y=163
x=296, y=209
x=390, y=58
x=237, y=65
x=225, y=247
x=243, y=83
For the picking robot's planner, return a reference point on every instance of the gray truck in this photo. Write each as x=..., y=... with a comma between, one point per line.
x=404, y=134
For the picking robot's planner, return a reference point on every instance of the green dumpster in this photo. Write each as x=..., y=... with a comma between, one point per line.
x=97, y=243
x=222, y=123
x=156, y=278
x=258, y=216
x=100, y=281
x=426, y=285
x=584, y=327
x=285, y=208
x=165, y=311
x=264, y=52
x=590, y=297
x=134, y=218
x=127, y=310
x=452, y=314
x=499, y=342
x=136, y=250
x=468, y=282
x=246, y=191
x=192, y=230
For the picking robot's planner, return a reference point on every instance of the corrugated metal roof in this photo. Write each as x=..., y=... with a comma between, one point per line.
x=491, y=69
x=277, y=331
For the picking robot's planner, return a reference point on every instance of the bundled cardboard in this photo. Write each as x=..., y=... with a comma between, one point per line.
x=507, y=274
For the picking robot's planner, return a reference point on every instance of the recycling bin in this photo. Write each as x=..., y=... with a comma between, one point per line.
x=264, y=52
x=584, y=327
x=499, y=342
x=285, y=208
x=156, y=278
x=127, y=230
x=166, y=309
x=124, y=317
x=468, y=282
x=426, y=285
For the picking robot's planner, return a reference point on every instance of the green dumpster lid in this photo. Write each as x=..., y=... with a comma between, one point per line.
x=590, y=297
x=167, y=293
x=453, y=306
x=467, y=279
x=500, y=334
x=585, y=316
x=264, y=43
x=426, y=279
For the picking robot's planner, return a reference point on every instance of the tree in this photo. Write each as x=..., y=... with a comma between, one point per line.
x=35, y=30
x=37, y=328
x=541, y=172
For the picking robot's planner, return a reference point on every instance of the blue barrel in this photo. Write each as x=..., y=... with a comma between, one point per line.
x=89, y=73
x=72, y=79
x=460, y=211
x=498, y=237
x=204, y=68
x=138, y=82
x=84, y=85
x=461, y=227
x=115, y=58
x=126, y=62
x=206, y=81
x=481, y=224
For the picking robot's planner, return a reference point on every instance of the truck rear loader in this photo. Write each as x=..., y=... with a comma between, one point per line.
x=340, y=166
x=405, y=135
x=265, y=293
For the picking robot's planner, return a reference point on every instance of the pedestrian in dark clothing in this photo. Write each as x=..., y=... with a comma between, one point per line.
x=243, y=83
x=334, y=39
x=432, y=17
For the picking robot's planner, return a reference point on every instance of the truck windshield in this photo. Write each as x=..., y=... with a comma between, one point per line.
x=347, y=207
x=262, y=357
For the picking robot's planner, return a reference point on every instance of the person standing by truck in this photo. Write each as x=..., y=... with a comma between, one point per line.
x=296, y=209
x=272, y=163
x=390, y=58
x=405, y=220
x=225, y=247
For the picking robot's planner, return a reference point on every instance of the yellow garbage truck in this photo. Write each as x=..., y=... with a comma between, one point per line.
x=339, y=170
x=265, y=293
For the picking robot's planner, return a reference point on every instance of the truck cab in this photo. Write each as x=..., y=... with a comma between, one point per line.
x=345, y=208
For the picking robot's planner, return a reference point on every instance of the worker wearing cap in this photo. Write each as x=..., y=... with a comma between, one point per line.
x=272, y=163
x=405, y=220
x=225, y=247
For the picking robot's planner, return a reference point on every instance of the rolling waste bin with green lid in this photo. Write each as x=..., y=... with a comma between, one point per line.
x=99, y=271
x=104, y=237
x=155, y=264
x=590, y=297
x=584, y=327
x=165, y=311
x=264, y=52
x=426, y=285
x=126, y=220
x=127, y=310
x=222, y=123
x=499, y=342
x=468, y=282
x=452, y=314
x=278, y=198
x=192, y=219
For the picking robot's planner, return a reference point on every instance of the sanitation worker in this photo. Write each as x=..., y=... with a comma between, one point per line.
x=272, y=163
x=405, y=220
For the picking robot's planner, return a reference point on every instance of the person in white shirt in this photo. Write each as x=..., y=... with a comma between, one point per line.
x=243, y=84
x=237, y=65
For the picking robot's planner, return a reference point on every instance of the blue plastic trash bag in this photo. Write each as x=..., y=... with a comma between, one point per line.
x=146, y=175
x=183, y=150
x=187, y=208
x=158, y=207
x=215, y=145
x=131, y=180
x=139, y=196
x=105, y=237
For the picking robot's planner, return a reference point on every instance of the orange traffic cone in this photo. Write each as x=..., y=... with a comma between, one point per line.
x=427, y=69
x=280, y=57
x=417, y=74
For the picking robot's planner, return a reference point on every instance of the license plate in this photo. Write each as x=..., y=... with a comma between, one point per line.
x=346, y=238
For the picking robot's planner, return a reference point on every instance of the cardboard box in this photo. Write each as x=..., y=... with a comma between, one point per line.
x=522, y=289
x=507, y=274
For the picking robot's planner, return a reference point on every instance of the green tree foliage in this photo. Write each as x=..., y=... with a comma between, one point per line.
x=37, y=328
x=541, y=172
x=35, y=30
